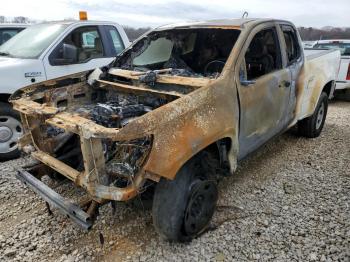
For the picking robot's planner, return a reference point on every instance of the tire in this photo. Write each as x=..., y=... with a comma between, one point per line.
x=10, y=131
x=312, y=126
x=183, y=207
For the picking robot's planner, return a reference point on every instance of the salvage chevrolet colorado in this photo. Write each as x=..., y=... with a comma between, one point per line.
x=177, y=110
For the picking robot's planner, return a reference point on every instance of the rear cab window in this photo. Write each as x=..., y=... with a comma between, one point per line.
x=293, y=51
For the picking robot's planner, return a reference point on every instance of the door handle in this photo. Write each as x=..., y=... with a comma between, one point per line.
x=284, y=84
x=247, y=82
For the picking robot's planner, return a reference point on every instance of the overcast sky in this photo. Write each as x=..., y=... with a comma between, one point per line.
x=141, y=13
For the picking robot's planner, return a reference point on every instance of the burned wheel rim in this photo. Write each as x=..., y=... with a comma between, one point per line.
x=320, y=116
x=10, y=131
x=200, y=207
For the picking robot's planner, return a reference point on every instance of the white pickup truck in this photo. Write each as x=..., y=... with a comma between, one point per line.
x=343, y=81
x=46, y=51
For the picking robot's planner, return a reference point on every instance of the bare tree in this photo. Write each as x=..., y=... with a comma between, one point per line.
x=20, y=19
x=134, y=33
x=311, y=34
x=2, y=19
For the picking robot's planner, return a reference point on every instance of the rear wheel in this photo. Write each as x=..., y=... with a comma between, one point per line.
x=183, y=207
x=10, y=131
x=312, y=126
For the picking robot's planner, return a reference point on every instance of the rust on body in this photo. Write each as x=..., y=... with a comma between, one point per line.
x=196, y=113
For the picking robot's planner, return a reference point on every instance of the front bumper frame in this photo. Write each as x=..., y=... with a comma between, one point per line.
x=93, y=179
x=67, y=208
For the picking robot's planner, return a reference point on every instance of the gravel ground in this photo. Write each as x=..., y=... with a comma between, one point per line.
x=289, y=201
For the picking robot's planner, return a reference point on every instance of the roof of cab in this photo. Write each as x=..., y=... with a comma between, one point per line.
x=70, y=22
x=222, y=23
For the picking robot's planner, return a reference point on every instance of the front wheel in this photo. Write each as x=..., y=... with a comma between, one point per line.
x=183, y=207
x=312, y=126
x=10, y=131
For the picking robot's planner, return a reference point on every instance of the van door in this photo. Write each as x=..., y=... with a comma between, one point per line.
x=263, y=87
x=81, y=50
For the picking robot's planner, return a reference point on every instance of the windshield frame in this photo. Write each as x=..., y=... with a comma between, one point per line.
x=124, y=60
x=18, y=38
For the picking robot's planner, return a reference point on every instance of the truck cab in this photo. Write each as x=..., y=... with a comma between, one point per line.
x=46, y=51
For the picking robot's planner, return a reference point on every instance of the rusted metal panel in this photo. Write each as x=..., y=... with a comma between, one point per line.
x=166, y=79
x=52, y=162
x=134, y=89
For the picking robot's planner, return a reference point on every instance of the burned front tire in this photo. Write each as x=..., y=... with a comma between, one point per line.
x=183, y=207
x=312, y=126
x=10, y=132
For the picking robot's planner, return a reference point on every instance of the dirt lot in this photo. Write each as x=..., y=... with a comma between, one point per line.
x=289, y=201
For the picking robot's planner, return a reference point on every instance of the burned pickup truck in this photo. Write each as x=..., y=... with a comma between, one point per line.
x=175, y=111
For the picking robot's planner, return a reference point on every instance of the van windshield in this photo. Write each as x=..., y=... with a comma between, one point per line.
x=31, y=42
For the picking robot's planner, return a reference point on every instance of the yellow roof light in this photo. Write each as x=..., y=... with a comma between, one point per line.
x=83, y=15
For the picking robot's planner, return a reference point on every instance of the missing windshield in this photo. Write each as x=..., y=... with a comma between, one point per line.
x=187, y=52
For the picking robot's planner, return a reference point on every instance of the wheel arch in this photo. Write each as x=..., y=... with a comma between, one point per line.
x=220, y=150
x=223, y=149
x=329, y=89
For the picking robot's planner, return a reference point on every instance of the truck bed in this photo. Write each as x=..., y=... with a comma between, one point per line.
x=313, y=53
x=321, y=67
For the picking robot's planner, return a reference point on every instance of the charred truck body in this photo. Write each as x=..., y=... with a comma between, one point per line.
x=179, y=109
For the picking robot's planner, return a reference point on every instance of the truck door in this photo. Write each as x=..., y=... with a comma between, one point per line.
x=293, y=62
x=82, y=49
x=263, y=87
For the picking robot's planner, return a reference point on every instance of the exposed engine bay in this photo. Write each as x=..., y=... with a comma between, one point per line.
x=123, y=159
x=107, y=108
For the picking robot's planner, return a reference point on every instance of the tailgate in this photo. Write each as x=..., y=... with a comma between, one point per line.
x=344, y=67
